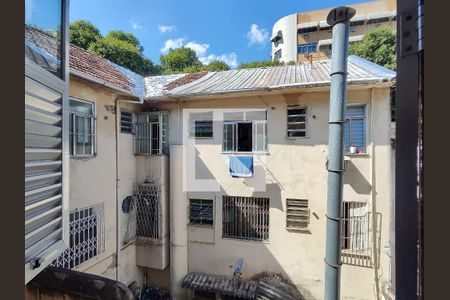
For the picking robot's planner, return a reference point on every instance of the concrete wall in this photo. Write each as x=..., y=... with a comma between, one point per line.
x=295, y=169
x=93, y=180
x=288, y=27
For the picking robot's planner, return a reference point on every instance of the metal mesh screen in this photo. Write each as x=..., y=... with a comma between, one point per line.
x=143, y=225
x=246, y=218
x=357, y=234
x=87, y=237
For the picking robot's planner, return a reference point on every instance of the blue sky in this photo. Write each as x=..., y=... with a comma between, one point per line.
x=232, y=30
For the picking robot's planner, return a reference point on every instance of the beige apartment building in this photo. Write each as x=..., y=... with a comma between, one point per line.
x=307, y=36
x=159, y=197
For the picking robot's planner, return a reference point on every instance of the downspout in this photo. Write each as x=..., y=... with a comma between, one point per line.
x=339, y=19
x=118, y=207
x=374, y=204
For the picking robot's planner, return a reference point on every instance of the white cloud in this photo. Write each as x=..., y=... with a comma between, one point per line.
x=228, y=58
x=201, y=51
x=166, y=28
x=135, y=25
x=256, y=35
x=176, y=43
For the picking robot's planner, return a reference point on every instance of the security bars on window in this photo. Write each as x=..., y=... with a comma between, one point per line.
x=143, y=224
x=357, y=234
x=87, y=237
x=82, y=128
x=297, y=214
x=246, y=218
x=296, y=121
x=201, y=211
x=151, y=133
x=201, y=124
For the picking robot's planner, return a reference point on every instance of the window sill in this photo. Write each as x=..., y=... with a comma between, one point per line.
x=205, y=226
x=76, y=157
x=245, y=240
x=294, y=138
x=298, y=230
x=246, y=153
x=357, y=154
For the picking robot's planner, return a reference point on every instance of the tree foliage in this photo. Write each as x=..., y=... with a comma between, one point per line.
x=180, y=59
x=126, y=37
x=217, y=65
x=378, y=46
x=124, y=54
x=260, y=64
x=83, y=33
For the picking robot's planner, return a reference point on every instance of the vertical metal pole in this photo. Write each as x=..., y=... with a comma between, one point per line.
x=338, y=18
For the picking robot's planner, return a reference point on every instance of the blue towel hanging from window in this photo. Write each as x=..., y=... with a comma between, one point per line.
x=241, y=165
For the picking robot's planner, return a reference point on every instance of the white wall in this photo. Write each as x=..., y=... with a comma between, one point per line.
x=296, y=170
x=288, y=27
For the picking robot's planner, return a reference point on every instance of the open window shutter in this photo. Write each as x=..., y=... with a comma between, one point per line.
x=46, y=224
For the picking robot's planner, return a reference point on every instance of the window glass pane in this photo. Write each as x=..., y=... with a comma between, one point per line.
x=296, y=126
x=43, y=33
x=81, y=107
x=260, y=136
x=228, y=137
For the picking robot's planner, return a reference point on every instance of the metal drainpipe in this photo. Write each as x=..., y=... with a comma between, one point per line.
x=338, y=18
x=118, y=207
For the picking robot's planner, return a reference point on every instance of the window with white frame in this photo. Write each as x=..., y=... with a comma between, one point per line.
x=245, y=131
x=201, y=211
x=87, y=237
x=201, y=124
x=277, y=54
x=151, y=133
x=245, y=218
x=297, y=214
x=82, y=128
x=296, y=121
x=355, y=129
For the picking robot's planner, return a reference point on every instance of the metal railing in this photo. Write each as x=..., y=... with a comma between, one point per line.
x=87, y=237
x=357, y=234
x=246, y=218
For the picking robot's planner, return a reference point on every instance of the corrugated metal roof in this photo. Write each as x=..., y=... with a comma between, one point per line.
x=360, y=71
x=155, y=85
x=221, y=285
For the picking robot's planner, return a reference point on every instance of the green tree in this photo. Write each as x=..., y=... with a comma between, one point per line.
x=126, y=37
x=378, y=46
x=124, y=54
x=83, y=33
x=260, y=64
x=217, y=65
x=177, y=60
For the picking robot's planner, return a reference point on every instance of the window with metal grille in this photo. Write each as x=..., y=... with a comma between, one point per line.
x=355, y=128
x=297, y=214
x=143, y=224
x=308, y=29
x=201, y=211
x=201, y=124
x=126, y=121
x=82, y=128
x=296, y=121
x=87, y=237
x=356, y=235
x=245, y=131
x=245, y=218
x=151, y=134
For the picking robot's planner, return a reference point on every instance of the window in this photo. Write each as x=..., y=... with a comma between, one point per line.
x=297, y=214
x=355, y=129
x=308, y=29
x=278, y=41
x=151, y=134
x=357, y=23
x=277, y=55
x=87, y=237
x=246, y=218
x=126, y=121
x=245, y=131
x=325, y=48
x=355, y=234
x=296, y=121
x=81, y=128
x=379, y=20
x=201, y=211
x=201, y=125
x=306, y=48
